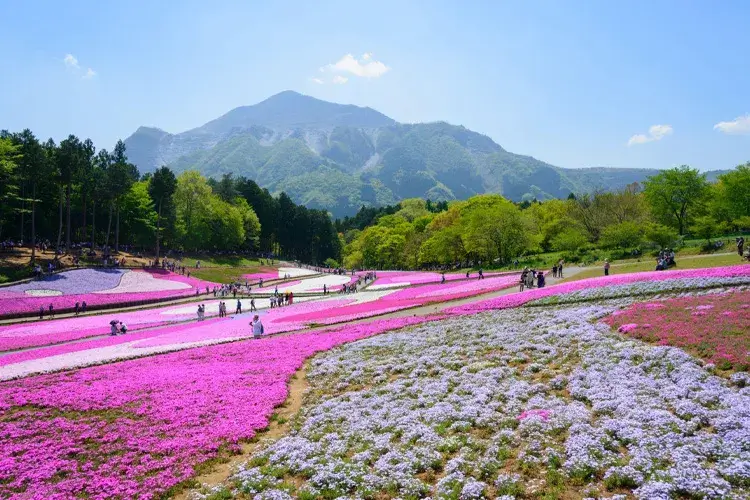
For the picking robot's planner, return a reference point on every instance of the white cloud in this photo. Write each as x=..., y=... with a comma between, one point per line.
x=70, y=61
x=365, y=67
x=317, y=80
x=738, y=126
x=655, y=133
x=339, y=80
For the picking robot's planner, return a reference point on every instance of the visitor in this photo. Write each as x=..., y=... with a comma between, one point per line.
x=467, y=274
x=442, y=278
x=113, y=328
x=239, y=308
x=51, y=311
x=198, y=312
x=252, y=305
x=83, y=307
x=606, y=268
x=481, y=274
x=76, y=308
x=257, y=327
x=291, y=298
x=325, y=289
x=540, y=280
x=740, y=245
x=560, y=269
x=530, y=279
x=41, y=312
x=123, y=328
x=523, y=279
x=273, y=301
x=554, y=271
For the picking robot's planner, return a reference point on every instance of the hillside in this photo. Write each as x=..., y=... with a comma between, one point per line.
x=339, y=157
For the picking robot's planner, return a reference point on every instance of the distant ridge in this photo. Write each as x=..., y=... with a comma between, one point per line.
x=340, y=156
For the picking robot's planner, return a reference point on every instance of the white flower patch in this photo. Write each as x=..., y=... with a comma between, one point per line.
x=500, y=404
x=43, y=293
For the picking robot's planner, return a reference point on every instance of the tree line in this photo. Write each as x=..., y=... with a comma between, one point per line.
x=669, y=206
x=69, y=195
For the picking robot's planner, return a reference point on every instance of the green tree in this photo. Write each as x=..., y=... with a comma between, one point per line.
x=675, y=194
x=9, y=157
x=122, y=175
x=660, y=235
x=569, y=239
x=496, y=232
x=34, y=166
x=622, y=235
x=161, y=188
x=139, y=216
x=706, y=227
x=733, y=192
x=70, y=155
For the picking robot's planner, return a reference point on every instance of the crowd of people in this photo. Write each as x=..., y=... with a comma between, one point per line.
x=531, y=277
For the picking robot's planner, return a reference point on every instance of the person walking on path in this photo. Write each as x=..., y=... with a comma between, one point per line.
x=239, y=307
x=606, y=268
x=540, y=280
x=76, y=309
x=523, y=279
x=83, y=307
x=252, y=305
x=560, y=269
x=554, y=271
x=257, y=326
x=51, y=311
x=41, y=312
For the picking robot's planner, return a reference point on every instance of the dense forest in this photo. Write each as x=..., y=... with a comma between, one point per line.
x=69, y=195
x=492, y=230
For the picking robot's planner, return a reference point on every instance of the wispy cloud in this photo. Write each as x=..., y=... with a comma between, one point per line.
x=317, y=80
x=71, y=62
x=655, y=133
x=348, y=66
x=738, y=126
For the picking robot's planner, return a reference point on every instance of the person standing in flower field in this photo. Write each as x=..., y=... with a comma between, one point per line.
x=257, y=326
x=606, y=268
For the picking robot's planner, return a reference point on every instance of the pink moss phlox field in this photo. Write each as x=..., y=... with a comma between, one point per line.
x=711, y=327
x=11, y=305
x=518, y=299
x=402, y=299
x=40, y=333
x=398, y=278
x=137, y=428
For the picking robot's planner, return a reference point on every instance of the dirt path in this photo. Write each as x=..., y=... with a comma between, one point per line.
x=279, y=426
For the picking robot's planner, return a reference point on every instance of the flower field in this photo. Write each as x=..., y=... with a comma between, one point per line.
x=396, y=279
x=138, y=428
x=97, y=288
x=579, y=390
x=711, y=327
x=520, y=403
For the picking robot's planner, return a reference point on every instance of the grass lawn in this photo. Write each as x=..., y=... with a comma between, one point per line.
x=649, y=264
x=226, y=274
x=221, y=261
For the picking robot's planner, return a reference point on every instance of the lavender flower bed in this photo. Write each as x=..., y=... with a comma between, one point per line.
x=77, y=281
x=517, y=403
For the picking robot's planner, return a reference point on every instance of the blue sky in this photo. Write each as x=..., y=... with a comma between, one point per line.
x=594, y=83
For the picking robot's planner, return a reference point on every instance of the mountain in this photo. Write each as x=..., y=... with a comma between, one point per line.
x=339, y=157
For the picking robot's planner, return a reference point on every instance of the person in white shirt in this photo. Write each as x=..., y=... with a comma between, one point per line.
x=257, y=327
